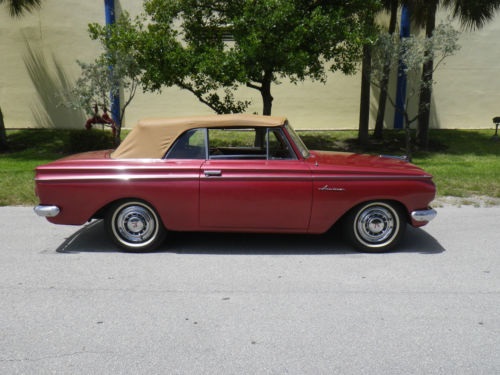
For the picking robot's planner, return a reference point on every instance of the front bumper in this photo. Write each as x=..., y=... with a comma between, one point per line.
x=47, y=211
x=424, y=215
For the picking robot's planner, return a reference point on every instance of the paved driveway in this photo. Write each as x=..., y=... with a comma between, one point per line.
x=250, y=304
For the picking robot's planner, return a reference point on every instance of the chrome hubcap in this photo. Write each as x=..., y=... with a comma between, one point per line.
x=376, y=224
x=136, y=224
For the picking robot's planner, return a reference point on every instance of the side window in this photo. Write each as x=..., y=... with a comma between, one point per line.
x=249, y=143
x=236, y=143
x=190, y=145
x=278, y=145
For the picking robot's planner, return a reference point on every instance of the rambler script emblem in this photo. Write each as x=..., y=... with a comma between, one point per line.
x=328, y=188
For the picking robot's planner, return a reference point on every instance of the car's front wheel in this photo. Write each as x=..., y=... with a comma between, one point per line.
x=375, y=226
x=135, y=226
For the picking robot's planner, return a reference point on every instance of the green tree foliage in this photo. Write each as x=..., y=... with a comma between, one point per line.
x=16, y=9
x=412, y=52
x=210, y=47
x=98, y=83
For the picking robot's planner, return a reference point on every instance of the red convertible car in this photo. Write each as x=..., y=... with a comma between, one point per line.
x=240, y=173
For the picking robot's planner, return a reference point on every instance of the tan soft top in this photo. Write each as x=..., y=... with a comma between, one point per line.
x=151, y=138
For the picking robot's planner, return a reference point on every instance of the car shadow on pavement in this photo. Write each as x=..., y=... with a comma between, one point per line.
x=90, y=238
x=93, y=238
x=415, y=241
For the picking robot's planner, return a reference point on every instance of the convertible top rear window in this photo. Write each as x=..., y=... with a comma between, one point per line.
x=190, y=145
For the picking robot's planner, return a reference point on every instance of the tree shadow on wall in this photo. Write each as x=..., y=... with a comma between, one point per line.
x=52, y=84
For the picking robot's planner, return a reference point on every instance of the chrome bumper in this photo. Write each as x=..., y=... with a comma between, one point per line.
x=424, y=215
x=47, y=211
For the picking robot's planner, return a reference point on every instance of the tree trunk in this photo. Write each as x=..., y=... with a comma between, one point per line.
x=364, y=102
x=265, y=91
x=4, y=146
x=409, y=156
x=384, y=83
x=424, y=106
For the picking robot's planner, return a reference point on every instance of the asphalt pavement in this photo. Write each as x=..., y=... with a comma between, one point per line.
x=250, y=304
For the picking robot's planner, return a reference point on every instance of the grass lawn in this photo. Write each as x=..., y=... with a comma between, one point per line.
x=470, y=165
x=464, y=163
x=28, y=149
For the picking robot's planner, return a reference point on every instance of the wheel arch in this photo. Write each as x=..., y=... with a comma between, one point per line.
x=103, y=211
x=398, y=204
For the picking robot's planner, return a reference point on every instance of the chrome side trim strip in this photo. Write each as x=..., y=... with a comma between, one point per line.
x=47, y=211
x=424, y=215
x=228, y=176
x=371, y=177
x=116, y=177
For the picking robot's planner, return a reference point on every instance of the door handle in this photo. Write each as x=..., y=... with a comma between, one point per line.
x=213, y=173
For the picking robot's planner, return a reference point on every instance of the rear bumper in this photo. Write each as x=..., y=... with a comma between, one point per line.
x=424, y=216
x=47, y=211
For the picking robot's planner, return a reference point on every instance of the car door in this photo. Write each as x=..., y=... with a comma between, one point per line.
x=178, y=195
x=243, y=188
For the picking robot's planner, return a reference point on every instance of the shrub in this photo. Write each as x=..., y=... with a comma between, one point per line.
x=88, y=140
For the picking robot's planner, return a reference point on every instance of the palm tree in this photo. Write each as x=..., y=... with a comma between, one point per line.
x=16, y=9
x=364, y=111
x=391, y=6
x=364, y=102
x=472, y=14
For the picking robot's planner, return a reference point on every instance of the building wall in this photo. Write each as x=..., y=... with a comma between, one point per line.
x=39, y=52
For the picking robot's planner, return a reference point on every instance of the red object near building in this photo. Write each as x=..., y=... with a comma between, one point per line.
x=104, y=120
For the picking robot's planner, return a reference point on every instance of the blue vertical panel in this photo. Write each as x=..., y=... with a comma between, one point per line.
x=401, y=86
x=109, y=9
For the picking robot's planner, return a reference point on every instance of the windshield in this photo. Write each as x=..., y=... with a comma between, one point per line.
x=298, y=141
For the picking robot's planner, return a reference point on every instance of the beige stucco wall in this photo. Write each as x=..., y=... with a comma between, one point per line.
x=465, y=96
x=467, y=90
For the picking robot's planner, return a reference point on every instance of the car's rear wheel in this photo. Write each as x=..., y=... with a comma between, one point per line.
x=375, y=226
x=135, y=226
